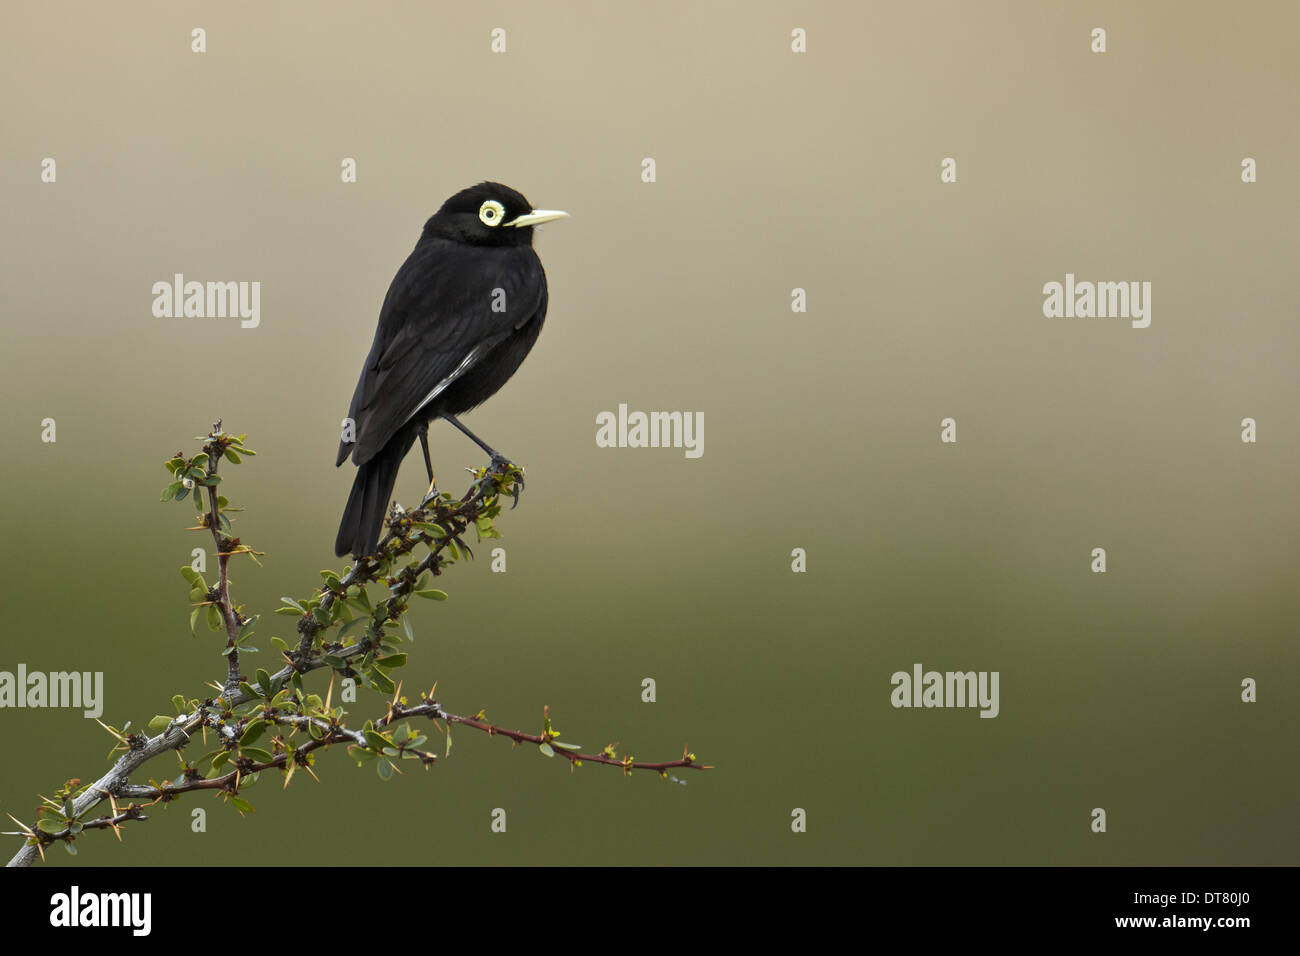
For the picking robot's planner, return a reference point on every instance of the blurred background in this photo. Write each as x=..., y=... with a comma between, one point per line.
x=774, y=171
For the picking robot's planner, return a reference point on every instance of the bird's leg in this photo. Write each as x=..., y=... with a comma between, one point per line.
x=498, y=459
x=432, y=492
x=424, y=445
x=496, y=455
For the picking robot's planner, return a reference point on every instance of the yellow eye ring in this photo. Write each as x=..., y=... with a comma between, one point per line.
x=491, y=213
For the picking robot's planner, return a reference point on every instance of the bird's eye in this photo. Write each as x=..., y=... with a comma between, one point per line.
x=491, y=213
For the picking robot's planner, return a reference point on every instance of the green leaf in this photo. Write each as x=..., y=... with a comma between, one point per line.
x=321, y=615
x=568, y=746
x=352, y=625
x=194, y=619
x=254, y=753
x=196, y=579
x=248, y=690
x=264, y=681
x=170, y=491
x=179, y=703
x=46, y=825
x=546, y=750
x=288, y=610
x=214, y=618
x=294, y=604
x=159, y=723
x=391, y=661
x=385, y=769
x=231, y=456
x=433, y=594
x=381, y=681
x=436, y=530
x=255, y=729
x=242, y=805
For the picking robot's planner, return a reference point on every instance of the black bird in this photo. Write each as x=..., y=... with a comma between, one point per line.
x=460, y=316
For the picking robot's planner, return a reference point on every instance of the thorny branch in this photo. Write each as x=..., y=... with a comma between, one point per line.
x=294, y=722
x=225, y=546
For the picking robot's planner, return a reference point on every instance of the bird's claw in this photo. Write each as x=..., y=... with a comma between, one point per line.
x=501, y=464
x=497, y=468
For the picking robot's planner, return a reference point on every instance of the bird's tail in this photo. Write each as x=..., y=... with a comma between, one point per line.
x=368, y=503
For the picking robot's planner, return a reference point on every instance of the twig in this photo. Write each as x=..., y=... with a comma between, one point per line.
x=280, y=701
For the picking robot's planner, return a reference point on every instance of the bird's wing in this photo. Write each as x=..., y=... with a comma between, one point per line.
x=436, y=323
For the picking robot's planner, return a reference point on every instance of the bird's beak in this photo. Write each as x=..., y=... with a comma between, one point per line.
x=537, y=217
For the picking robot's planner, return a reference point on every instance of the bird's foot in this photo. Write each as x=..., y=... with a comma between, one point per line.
x=501, y=465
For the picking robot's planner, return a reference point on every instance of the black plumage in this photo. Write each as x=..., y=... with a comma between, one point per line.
x=460, y=316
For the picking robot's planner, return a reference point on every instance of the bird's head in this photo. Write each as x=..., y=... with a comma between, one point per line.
x=489, y=214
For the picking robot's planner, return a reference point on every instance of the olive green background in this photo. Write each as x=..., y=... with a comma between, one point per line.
x=775, y=171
